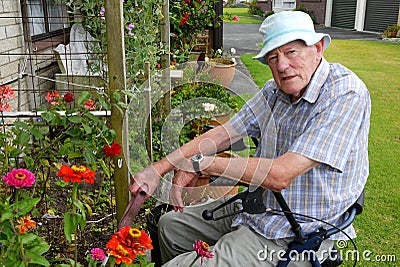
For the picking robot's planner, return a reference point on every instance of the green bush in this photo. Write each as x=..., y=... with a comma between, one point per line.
x=254, y=10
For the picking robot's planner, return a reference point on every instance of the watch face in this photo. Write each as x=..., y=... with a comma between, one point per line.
x=197, y=157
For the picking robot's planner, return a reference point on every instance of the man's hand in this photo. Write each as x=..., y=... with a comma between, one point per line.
x=181, y=179
x=145, y=180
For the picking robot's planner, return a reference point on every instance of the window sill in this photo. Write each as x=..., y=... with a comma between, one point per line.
x=50, y=42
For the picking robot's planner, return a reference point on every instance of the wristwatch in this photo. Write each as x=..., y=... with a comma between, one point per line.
x=196, y=159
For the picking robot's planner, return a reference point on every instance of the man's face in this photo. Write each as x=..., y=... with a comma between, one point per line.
x=293, y=65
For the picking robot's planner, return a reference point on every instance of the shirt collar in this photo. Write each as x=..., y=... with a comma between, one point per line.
x=317, y=81
x=314, y=86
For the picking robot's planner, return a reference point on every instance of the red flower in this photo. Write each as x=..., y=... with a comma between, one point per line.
x=89, y=105
x=113, y=150
x=76, y=174
x=128, y=242
x=6, y=93
x=184, y=19
x=54, y=98
x=69, y=97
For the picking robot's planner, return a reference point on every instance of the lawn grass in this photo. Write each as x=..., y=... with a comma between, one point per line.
x=378, y=65
x=241, y=12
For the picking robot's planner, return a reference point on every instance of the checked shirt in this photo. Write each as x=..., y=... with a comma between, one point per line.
x=328, y=124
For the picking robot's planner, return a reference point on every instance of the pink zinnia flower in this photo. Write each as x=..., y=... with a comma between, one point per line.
x=19, y=178
x=202, y=249
x=97, y=254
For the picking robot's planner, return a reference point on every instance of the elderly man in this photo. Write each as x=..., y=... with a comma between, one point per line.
x=312, y=123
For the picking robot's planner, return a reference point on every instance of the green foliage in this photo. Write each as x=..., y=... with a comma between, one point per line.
x=187, y=20
x=187, y=99
x=19, y=249
x=242, y=13
x=61, y=131
x=255, y=10
x=142, y=40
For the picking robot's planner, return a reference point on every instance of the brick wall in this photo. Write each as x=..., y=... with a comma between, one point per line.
x=30, y=90
x=11, y=44
x=317, y=7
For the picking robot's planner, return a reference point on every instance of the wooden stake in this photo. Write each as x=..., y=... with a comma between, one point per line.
x=117, y=83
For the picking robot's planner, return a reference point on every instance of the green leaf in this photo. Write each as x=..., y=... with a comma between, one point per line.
x=21, y=124
x=36, y=259
x=35, y=132
x=29, y=162
x=79, y=205
x=19, y=209
x=75, y=119
x=116, y=96
x=23, y=138
x=28, y=238
x=48, y=116
x=87, y=128
x=70, y=224
x=105, y=168
x=81, y=217
x=84, y=97
x=92, y=117
x=89, y=209
x=44, y=130
x=15, y=152
x=89, y=156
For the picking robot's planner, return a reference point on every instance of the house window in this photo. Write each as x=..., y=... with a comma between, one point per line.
x=284, y=4
x=46, y=18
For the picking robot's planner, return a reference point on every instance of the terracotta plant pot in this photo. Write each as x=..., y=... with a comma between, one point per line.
x=222, y=73
x=216, y=121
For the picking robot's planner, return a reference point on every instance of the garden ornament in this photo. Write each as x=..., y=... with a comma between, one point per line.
x=285, y=27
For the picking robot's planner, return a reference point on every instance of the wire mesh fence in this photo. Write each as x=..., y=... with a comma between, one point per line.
x=54, y=111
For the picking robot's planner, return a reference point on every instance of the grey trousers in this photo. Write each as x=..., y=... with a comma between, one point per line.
x=231, y=246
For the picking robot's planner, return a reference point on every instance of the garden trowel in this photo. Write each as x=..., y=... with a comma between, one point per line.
x=132, y=209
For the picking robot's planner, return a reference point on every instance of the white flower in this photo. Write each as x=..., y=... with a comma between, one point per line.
x=233, y=60
x=207, y=59
x=208, y=107
x=233, y=51
x=219, y=51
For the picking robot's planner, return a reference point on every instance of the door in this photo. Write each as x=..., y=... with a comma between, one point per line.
x=344, y=13
x=381, y=13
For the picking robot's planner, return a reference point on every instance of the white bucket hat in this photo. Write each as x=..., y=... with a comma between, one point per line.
x=285, y=27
